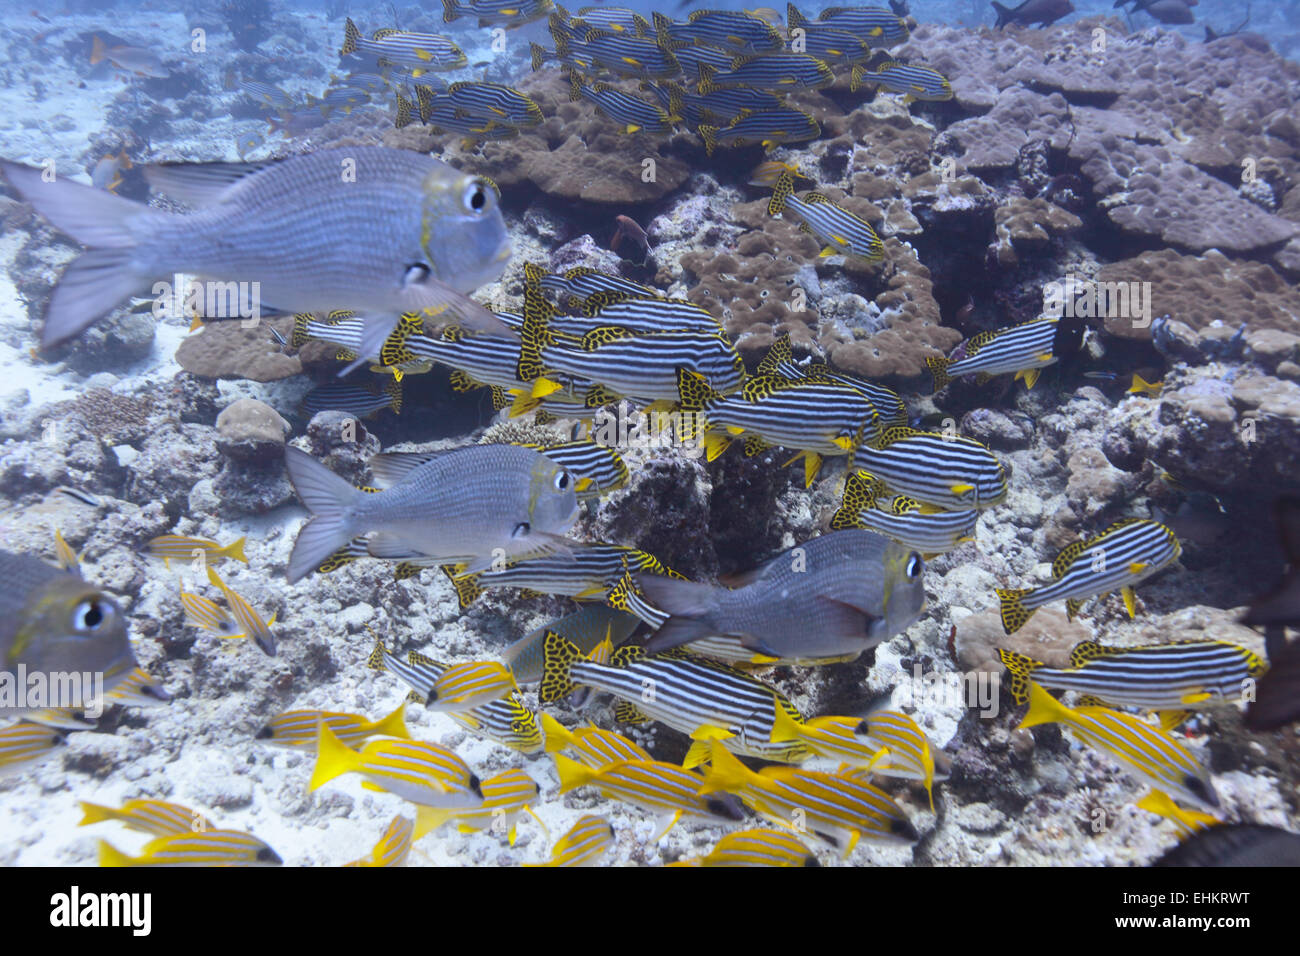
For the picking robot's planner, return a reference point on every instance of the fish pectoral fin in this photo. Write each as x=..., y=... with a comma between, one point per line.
x=1196, y=697
x=1137, y=567
x=960, y=488
x=711, y=732
x=667, y=821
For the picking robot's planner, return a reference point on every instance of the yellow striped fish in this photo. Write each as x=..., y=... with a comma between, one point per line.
x=594, y=746
x=1186, y=822
x=393, y=847
x=586, y=842
x=138, y=690
x=179, y=547
x=422, y=773
x=465, y=686
x=150, y=816
x=902, y=749
x=664, y=789
x=247, y=619
x=207, y=848
x=1149, y=751
x=838, y=809
x=299, y=728
x=68, y=559
x=209, y=615
x=505, y=797
x=26, y=743
x=757, y=848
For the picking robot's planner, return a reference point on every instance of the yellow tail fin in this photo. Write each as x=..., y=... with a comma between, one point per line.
x=333, y=758
x=1044, y=709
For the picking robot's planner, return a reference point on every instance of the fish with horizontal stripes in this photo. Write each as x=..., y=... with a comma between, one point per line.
x=915, y=82
x=876, y=26
x=835, y=46
x=568, y=60
x=247, y=619
x=1123, y=555
x=504, y=13
x=732, y=30
x=355, y=400
x=725, y=106
x=937, y=468
x=683, y=691
x=608, y=309
x=138, y=689
x=268, y=94
x=493, y=101
x=586, y=628
x=1162, y=677
x=484, y=359
x=838, y=809
x=26, y=743
x=506, y=796
x=902, y=749
x=393, y=847
x=1024, y=349
x=574, y=287
x=620, y=53
x=816, y=418
x=592, y=745
x=867, y=505
x=840, y=231
x=422, y=773
x=299, y=728
x=179, y=547
x=420, y=51
x=1186, y=822
x=630, y=113
x=208, y=614
x=599, y=465
x=692, y=58
x=779, y=360
x=613, y=19
x=770, y=128
x=1150, y=752
x=775, y=72
x=469, y=684
x=148, y=816
x=584, y=844
x=761, y=847
x=203, y=848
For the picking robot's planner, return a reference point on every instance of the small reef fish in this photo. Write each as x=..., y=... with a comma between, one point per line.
x=621, y=53
x=248, y=143
x=138, y=689
x=732, y=30
x=615, y=19
x=938, y=469
x=585, y=843
x=457, y=506
x=574, y=287
x=903, y=749
x=204, y=848
x=393, y=847
x=768, y=173
x=780, y=361
x=1142, y=387
x=300, y=728
x=506, y=13
x=209, y=615
x=436, y=235
x=150, y=816
x=600, y=467
x=757, y=848
x=505, y=796
x=422, y=773
x=1024, y=349
x=831, y=597
x=178, y=547
x=107, y=173
x=248, y=621
x=465, y=686
x=771, y=128
x=838, y=809
x=1042, y=12
x=421, y=51
x=1149, y=751
x=914, y=82
x=607, y=309
x=493, y=101
x=626, y=227
x=133, y=59
x=866, y=505
x=25, y=743
x=873, y=25
x=841, y=232
x=775, y=72
x=52, y=621
x=592, y=745
x=355, y=399
x=1123, y=555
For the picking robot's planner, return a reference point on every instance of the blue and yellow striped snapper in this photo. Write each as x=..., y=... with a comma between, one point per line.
x=731, y=30
x=393, y=847
x=865, y=505
x=593, y=746
x=492, y=101
x=179, y=547
x=630, y=113
x=665, y=789
x=757, y=848
x=780, y=361
x=586, y=628
x=420, y=51
x=339, y=98
x=601, y=467
x=300, y=728
x=505, y=796
x=138, y=689
x=574, y=287
x=818, y=419
x=583, y=845
x=835, y=46
x=61, y=718
x=206, y=848
x=148, y=816
x=690, y=694
x=612, y=19
x=874, y=25
x=1121, y=556
x=485, y=359
x=567, y=60
x=1163, y=677
x=838, y=809
x=420, y=772
x=25, y=743
x=271, y=96
x=676, y=102
x=915, y=82
x=946, y=471
x=902, y=749
x=1024, y=349
x=355, y=400
x=373, y=84
x=209, y=615
x=607, y=309
x=836, y=738
x=771, y=128
x=1149, y=751
x=776, y=72
x=620, y=53
x=638, y=366
x=725, y=106
x=247, y=619
x=464, y=686
x=1185, y=821
x=506, y=720
x=841, y=232
x=505, y=13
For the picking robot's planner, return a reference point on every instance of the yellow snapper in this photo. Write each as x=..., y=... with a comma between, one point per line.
x=203, y=848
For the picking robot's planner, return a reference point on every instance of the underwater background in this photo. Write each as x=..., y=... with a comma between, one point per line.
x=1065, y=248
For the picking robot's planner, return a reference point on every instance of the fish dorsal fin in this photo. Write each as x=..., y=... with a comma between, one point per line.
x=819, y=198
x=779, y=352
x=977, y=342
x=626, y=654
x=391, y=467
x=1066, y=558
x=201, y=184
x=385, y=32
x=740, y=61
x=760, y=386
x=1090, y=651
x=897, y=433
x=903, y=505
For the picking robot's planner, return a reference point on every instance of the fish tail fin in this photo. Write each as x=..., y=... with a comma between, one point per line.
x=1043, y=708
x=782, y=191
x=405, y=111
x=1004, y=15
x=449, y=11
x=235, y=550
x=97, y=50
x=706, y=84
x=1020, y=668
x=693, y=390
x=329, y=498
x=1014, y=612
x=939, y=371
x=94, y=813
x=784, y=726
x=104, y=275
x=575, y=87
x=394, y=725
x=538, y=54
x=333, y=758
x=689, y=603
x=110, y=855
x=558, y=658
x=710, y=136
x=556, y=735
x=350, y=37
x=428, y=819
x=572, y=774
x=725, y=771
x=855, y=77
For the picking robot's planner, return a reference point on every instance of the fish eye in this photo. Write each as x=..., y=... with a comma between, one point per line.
x=914, y=566
x=521, y=529
x=562, y=481
x=416, y=273
x=477, y=197
x=90, y=615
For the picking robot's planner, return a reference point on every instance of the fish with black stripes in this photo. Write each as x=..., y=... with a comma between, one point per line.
x=779, y=360
x=867, y=504
x=874, y=25
x=840, y=231
x=770, y=128
x=939, y=469
x=732, y=30
x=914, y=81
x=775, y=72
x=1024, y=349
x=630, y=113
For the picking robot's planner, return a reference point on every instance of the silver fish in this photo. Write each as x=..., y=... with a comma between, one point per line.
x=362, y=227
x=834, y=596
